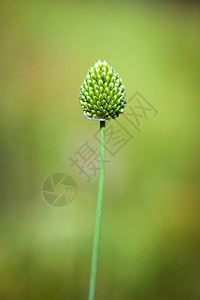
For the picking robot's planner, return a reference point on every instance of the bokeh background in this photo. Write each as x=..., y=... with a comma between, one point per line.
x=150, y=243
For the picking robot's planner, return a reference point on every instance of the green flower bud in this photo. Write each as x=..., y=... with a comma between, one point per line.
x=102, y=94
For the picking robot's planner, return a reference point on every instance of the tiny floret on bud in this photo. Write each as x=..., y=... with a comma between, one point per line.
x=102, y=94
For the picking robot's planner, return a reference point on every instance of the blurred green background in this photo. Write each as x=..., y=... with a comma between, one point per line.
x=150, y=243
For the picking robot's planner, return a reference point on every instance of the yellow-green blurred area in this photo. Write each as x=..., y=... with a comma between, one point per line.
x=150, y=242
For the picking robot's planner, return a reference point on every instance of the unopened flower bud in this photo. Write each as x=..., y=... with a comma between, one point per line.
x=102, y=94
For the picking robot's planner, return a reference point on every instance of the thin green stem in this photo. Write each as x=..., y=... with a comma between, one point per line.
x=98, y=213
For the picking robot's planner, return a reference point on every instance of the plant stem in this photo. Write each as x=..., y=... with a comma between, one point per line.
x=98, y=213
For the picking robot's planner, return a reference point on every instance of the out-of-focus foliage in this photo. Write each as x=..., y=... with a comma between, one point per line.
x=150, y=246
